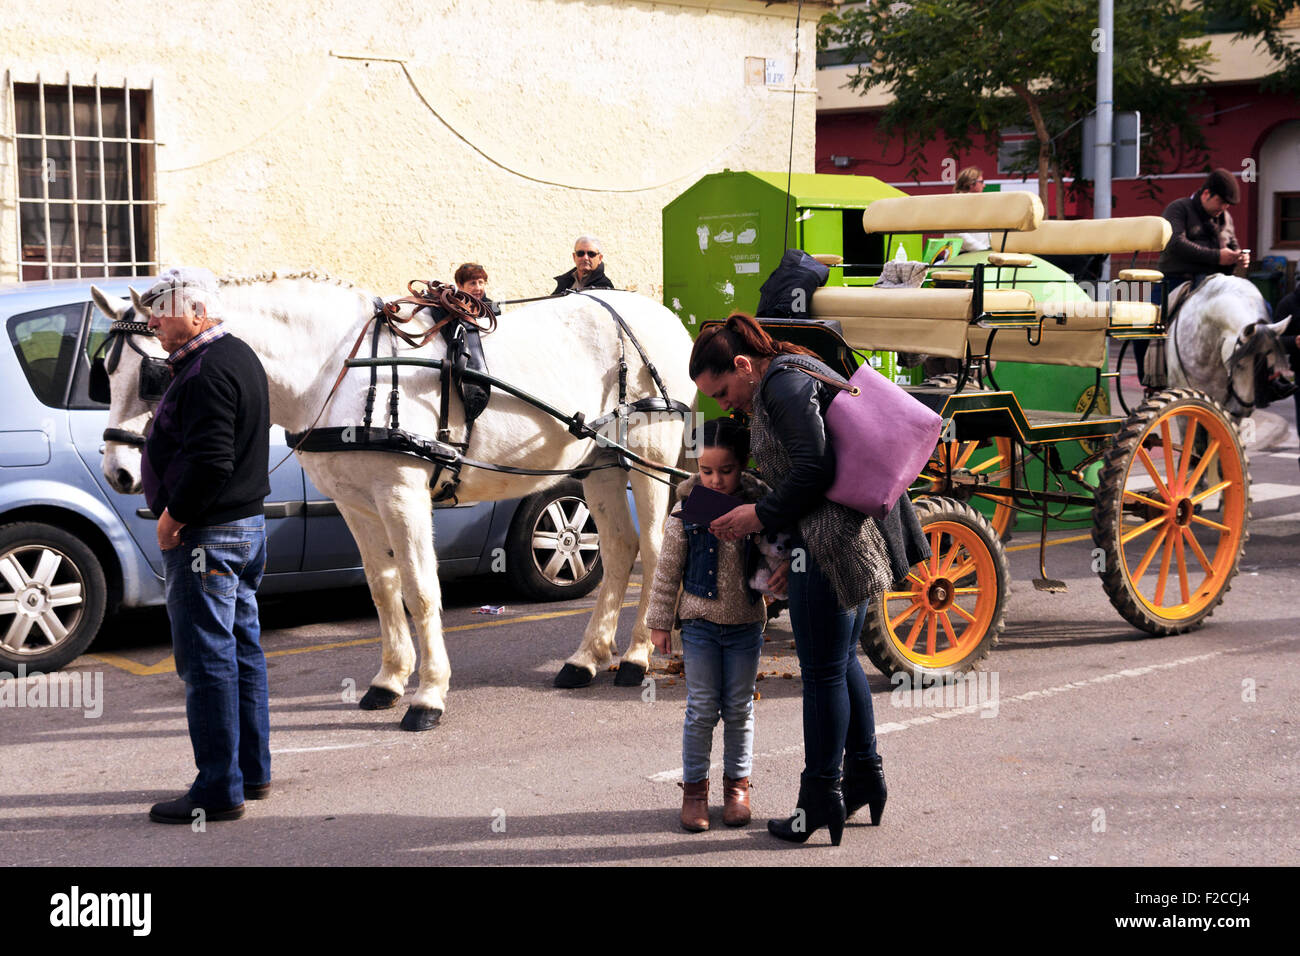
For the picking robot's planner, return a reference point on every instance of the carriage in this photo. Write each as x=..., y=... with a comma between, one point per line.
x=1165, y=488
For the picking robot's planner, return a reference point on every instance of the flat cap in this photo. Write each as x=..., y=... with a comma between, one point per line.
x=1223, y=184
x=189, y=278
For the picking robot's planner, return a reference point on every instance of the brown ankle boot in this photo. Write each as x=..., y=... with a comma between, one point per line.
x=695, y=806
x=735, y=811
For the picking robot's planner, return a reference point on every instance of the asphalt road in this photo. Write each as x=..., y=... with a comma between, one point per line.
x=1105, y=746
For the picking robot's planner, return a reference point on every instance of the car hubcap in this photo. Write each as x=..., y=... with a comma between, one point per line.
x=41, y=594
x=565, y=543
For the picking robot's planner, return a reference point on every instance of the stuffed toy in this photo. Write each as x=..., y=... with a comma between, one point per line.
x=774, y=546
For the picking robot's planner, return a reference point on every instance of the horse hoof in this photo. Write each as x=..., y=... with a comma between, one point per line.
x=379, y=698
x=629, y=675
x=571, y=676
x=421, y=718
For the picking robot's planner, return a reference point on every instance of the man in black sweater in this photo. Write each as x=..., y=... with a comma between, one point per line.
x=205, y=476
x=588, y=270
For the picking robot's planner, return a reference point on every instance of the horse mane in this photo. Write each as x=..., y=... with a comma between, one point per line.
x=262, y=278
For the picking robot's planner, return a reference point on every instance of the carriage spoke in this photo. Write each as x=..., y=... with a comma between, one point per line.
x=953, y=555
x=1167, y=446
x=947, y=628
x=912, y=576
x=916, y=630
x=996, y=459
x=1196, y=550
x=958, y=573
x=1211, y=524
x=1210, y=453
x=1150, y=553
x=935, y=537
x=963, y=612
x=1189, y=442
x=912, y=609
x=1141, y=530
x=1211, y=491
x=1150, y=502
x=931, y=634
x=1181, y=558
x=1151, y=470
x=1163, y=579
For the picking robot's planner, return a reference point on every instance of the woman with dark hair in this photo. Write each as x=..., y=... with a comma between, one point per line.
x=848, y=559
x=471, y=278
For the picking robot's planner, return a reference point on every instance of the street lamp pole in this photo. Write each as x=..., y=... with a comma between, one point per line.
x=1105, y=115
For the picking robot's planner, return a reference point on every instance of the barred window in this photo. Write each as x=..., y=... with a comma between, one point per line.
x=85, y=180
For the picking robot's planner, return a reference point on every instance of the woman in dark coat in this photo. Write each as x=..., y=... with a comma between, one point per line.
x=849, y=560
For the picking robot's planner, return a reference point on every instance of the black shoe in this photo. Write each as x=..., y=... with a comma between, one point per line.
x=864, y=785
x=182, y=810
x=257, y=791
x=821, y=804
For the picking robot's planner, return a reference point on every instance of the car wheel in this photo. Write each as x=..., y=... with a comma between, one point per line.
x=553, y=551
x=52, y=596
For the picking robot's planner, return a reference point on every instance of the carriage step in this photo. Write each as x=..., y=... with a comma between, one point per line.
x=1051, y=585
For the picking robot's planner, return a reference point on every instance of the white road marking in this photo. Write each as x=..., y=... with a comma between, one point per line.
x=1267, y=491
x=671, y=776
x=309, y=750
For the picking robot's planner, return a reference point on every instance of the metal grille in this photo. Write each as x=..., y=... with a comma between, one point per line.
x=85, y=165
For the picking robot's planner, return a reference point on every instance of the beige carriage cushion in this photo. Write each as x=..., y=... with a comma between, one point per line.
x=1077, y=237
x=949, y=275
x=954, y=212
x=932, y=321
x=1140, y=275
x=828, y=258
x=1014, y=259
x=1080, y=341
x=1115, y=313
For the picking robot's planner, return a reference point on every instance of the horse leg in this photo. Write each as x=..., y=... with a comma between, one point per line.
x=382, y=575
x=408, y=522
x=652, y=498
x=606, y=496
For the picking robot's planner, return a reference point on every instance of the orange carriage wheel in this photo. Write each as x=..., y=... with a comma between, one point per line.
x=988, y=460
x=1173, y=505
x=950, y=611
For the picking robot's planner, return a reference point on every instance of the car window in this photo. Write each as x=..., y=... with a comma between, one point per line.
x=78, y=395
x=45, y=342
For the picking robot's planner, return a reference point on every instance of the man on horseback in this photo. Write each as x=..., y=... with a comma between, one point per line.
x=1203, y=240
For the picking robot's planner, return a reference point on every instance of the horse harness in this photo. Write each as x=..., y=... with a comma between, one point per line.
x=457, y=317
x=155, y=373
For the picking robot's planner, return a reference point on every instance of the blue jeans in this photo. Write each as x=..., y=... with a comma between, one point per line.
x=721, y=664
x=212, y=579
x=837, y=716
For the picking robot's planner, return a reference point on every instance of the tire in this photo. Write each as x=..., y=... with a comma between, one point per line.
x=553, y=549
x=1150, y=498
x=52, y=596
x=954, y=642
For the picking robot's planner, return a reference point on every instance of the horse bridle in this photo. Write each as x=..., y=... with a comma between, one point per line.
x=155, y=373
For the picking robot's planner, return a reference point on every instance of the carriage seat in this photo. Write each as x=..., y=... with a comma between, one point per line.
x=1073, y=336
x=1086, y=237
x=954, y=212
x=1122, y=312
x=931, y=321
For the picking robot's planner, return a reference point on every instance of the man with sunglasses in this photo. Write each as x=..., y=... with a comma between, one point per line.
x=588, y=270
x=205, y=476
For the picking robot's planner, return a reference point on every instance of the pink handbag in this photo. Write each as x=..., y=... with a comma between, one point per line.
x=882, y=438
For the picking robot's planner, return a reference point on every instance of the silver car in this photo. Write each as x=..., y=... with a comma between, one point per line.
x=73, y=550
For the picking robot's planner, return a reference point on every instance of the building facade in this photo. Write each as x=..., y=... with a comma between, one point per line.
x=385, y=141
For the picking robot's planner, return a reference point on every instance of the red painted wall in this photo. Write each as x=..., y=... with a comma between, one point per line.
x=1237, y=119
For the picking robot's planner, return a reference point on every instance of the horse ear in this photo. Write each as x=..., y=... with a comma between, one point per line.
x=140, y=308
x=110, y=305
x=1279, y=326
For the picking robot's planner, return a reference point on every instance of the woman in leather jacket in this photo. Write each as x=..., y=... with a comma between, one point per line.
x=849, y=558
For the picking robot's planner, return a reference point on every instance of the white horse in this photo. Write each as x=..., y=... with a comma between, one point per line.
x=564, y=351
x=1222, y=343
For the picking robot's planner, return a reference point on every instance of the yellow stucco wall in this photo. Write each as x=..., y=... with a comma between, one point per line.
x=391, y=139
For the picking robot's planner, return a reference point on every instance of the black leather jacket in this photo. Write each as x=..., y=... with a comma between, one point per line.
x=794, y=403
x=598, y=280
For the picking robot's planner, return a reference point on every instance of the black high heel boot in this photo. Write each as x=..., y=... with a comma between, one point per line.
x=821, y=804
x=864, y=785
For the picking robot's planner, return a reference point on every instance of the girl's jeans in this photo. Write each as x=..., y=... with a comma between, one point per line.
x=837, y=715
x=721, y=664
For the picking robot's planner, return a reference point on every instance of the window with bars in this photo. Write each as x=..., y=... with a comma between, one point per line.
x=85, y=180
